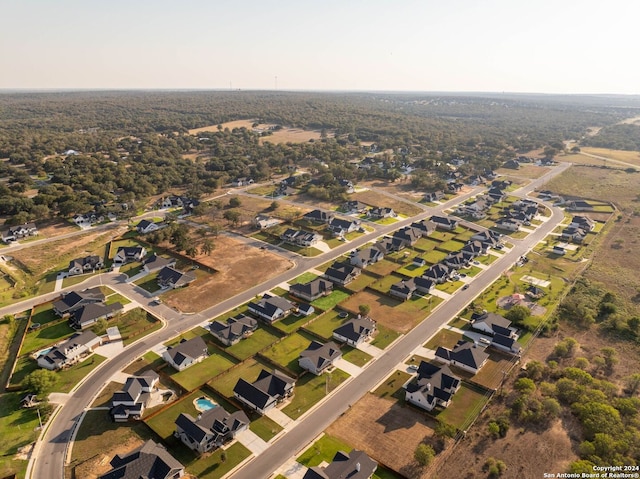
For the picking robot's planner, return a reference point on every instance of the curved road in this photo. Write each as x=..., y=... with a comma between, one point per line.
x=48, y=459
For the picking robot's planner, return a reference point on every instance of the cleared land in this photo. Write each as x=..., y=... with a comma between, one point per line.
x=374, y=198
x=632, y=157
x=238, y=267
x=391, y=424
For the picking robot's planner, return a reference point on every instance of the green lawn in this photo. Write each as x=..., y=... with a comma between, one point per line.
x=135, y=324
x=192, y=333
x=384, y=285
x=323, y=450
x=117, y=298
x=450, y=286
x=361, y=282
x=355, y=356
x=304, y=278
x=383, y=267
x=434, y=256
x=386, y=221
x=75, y=279
x=213, y=467
x=328, y=302
x=384, y=337
x=392, y=385
x=465, y=406
x=149, y=283
x=44, y=314
x=287, y=351
x=451, y=245
x=308, y=251
x=426, y=244
x=24, y=366
x=163, y=424
x=248, y=371
x=68, y=378
x=445, y=338
x=324, y=324
x=195, y=376
x=131, y=269
x=260, y=339
x=472, y=271
x=459, y=323
x=265, y=428
x=310, y=389
x=442, y=235
x=42, y=337
x=293, y=322
x=412, y=271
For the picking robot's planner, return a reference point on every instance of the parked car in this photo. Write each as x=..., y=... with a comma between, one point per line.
x=466, y=286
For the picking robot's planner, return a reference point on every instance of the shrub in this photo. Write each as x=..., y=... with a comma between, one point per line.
x=424, y=454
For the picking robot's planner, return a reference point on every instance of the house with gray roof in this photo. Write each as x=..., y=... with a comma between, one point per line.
x=355, y=331
x=128, y=254
x=353, y=465
x=465, y=355
x=186, y=353
x=234, y=329
x=90, y=314
x=342, y=273
x=70, y=351
x=319, y=216
x=353, y=207
x=340, y=227
x=492, y=323
x=314, y=289
x=271, y=308
x=146, y=226
x=381, y=212
x=426, y=227
x=76, y=299
x=366, y=257
x=15, y=233
x=211, y=429
x=444, y=223
x=88, y=264
x=149, y=461
x=318, y=357
x=130, y=402
x=434, y=386
x=403, y=289
x=270, y=389
x=300, y=237
x=169, y=277
x=439, y=273
x=434, y=196
x=155, y=263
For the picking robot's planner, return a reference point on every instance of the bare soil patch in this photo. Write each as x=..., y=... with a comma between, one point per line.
x=525, y=171
x=373, y=198
x=386, y=430
x=632, y=157
x=292, y=135
x=55, y=228
x=401, y=187
x=230, y=124
x=238, y=267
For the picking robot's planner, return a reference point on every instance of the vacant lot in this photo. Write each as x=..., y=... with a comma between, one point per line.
x=374, y=198
x=397, y=315
x=397, y=431
x=292, y=135
x=238, y=267
x=230, y=124
x=632, y=157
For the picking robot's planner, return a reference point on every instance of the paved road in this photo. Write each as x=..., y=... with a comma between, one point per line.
x=49, y=458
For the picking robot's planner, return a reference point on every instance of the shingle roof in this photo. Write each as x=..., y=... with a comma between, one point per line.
x=321, y=355
x=189, y=349
x=355, y=328
x=149, y=461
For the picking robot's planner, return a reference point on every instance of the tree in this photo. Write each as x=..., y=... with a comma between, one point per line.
x=633, y=383
x=525, y=386
x=634, y=324
x=424, y=454
x=232, y=216
x=610, y=357
x=518, y=313
x=364, y=309
x=207, y=247
x=235, y=202
x=191, y=251
x=101, y=326
x=40, y=381
x=494, y=467
x=275, y=205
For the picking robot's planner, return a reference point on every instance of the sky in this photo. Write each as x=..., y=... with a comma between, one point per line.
x=540, y=46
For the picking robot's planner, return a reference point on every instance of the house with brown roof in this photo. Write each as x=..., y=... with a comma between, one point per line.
x=318, y=357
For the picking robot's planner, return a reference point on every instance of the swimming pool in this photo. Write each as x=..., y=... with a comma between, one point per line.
x=204, y=403
x=42, y=352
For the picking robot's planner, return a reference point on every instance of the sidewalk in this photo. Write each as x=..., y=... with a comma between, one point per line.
x=252, y=442
x=347, y=367
x=281, y=418
x=59, y=279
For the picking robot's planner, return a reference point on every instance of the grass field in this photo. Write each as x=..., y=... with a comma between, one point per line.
x=310, y=389
x=324, y=324
x=304, y=278
x=163, y=423
x=260, y=339
x=391, y=387
x=451, y=245
x=355, y=356
x=17, y=428
x=68, y=378
x=265, y=428
x=38, y=339
x=384, y=337
x=44, y=314
x=361, y=282
x=214, y=467
x=377, y=199
x=329, y=302
x=287, y=351
x=195, y=376
x=248, y=370
x=465, y=406
x=445, y=338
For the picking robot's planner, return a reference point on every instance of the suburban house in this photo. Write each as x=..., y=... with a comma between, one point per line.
x=126, y=254
x=355, y=331
x=353, y=207
x=87, y=219
x=17, y=232
x=583, y=222
x=380, y=212
x=244, y=181
x=169, y=277
x=365, y=257
x=319, y=216
x=76, y=299
x=342, y=273
x=348, y=184
x=151, y=460
x=513, y=164
x=353, y=465
x=457, y=260
x=146, y=226
x=130, y=402
x=306, y=309
x=235, y=329
x=263, y=221
x=579, y=205
x=155, y=263
x=312, y=290
x=443, y=223
x=318, y=357
x=508, y=224
x=465, y=355
x=271, y=308
x=488, y=238
x=496, y=193
x=186, y=353
x=426, y=227
x=300, y=238
x=576, y=235
x=475, y=248
x=559, y=250
x=492, y=324
x=439, y=273
x=434, y=196
x=340, y=227
x=70, y=351
x=211, y=429
x=408, y=234
x=454, y=186
x=85, y=265
x=91, y=313
x=434, y=386
x=403, y=289
x=265, y=392
x=390, y=245
x=534, y=292
x=506, y=343
x=475, y=180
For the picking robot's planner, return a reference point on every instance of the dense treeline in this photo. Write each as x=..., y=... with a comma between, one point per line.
x=617, y=137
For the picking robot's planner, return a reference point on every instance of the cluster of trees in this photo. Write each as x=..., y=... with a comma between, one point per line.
x=618, y=137
x=184, y=239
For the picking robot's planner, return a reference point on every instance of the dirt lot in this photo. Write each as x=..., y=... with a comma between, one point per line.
x=400, y=187
x=99, y=464
x=230, y=124
x=397, y=431
x=285, y=135
x=632, y=157
x=238, y=267
x=525, y=171
x=373, y=198
x=55, y=228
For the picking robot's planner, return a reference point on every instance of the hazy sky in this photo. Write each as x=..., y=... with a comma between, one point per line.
x=551, y=46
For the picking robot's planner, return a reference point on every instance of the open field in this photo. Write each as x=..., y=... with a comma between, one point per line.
x=465, y=406
x=259, y=339
x=287, y=351
x=525, y=171
x=632, y=157
x=391, y=424
x=397, y=315
x=248, y=370
x=325, y=324
x=230, y=124
x=198, y=374
x=310, y=389
x=373, y=198
x=238, y=267
x=18, y=429
x=292, y=135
